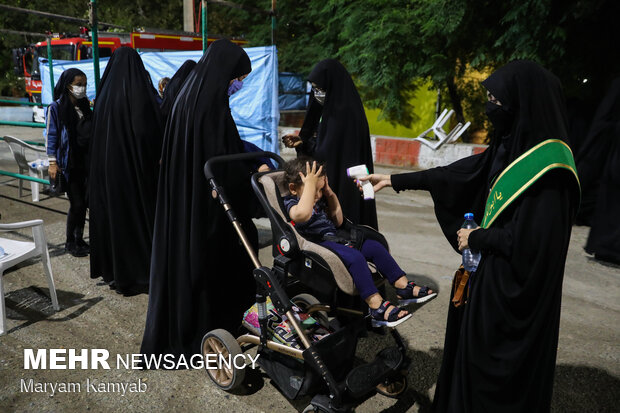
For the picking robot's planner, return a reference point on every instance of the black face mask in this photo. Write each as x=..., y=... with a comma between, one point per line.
x=500, y=118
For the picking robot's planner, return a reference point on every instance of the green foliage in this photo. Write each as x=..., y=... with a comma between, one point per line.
x=389, y=46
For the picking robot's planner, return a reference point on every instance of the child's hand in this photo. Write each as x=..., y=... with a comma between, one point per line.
x=312, y=175
x=327, y=190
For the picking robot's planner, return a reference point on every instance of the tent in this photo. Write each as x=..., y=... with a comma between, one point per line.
x=254, y=107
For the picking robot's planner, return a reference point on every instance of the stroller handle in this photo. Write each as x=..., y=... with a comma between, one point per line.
x=239, y=157
x=221, y=196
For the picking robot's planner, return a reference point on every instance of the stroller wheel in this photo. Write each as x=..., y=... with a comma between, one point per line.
x=304, y=301
x=221, y=343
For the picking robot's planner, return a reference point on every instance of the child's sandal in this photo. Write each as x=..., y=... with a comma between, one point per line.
x=377, y=316
x=405, y=295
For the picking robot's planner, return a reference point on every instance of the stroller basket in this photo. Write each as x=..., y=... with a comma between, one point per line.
x=296, y=379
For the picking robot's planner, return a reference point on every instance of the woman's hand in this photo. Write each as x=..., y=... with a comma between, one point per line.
x=291, y=141
x=463, y=237
x=378, y=181
x=264, y=168
x=53, y=170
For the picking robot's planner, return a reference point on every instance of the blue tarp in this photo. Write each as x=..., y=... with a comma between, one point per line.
x=254, y=107
x=292, y=91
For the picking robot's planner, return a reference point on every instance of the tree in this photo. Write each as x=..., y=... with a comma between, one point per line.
x=389, y=45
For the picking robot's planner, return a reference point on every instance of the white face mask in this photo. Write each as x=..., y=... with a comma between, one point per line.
x=78, y=92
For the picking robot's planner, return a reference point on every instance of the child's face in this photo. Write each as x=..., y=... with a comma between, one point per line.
x=298, y=190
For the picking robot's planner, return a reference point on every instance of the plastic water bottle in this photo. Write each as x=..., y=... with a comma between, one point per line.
x=471, y=259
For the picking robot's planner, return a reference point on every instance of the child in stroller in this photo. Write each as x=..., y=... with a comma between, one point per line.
x=315, y=211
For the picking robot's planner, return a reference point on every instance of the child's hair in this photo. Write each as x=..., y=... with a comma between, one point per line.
x=293, y=167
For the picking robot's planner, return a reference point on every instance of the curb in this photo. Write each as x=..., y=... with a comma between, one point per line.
x=408, y=153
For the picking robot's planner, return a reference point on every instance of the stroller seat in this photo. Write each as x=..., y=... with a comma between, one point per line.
x=314, y=265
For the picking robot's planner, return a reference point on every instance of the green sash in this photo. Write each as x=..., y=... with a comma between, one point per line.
x=523, y=172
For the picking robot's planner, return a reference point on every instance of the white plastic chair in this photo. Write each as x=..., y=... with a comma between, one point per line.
x=437, y=129
x=36, y=168
x=458, y=130
x=18, y=251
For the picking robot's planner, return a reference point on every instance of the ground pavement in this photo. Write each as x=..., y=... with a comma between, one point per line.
x=93, y=316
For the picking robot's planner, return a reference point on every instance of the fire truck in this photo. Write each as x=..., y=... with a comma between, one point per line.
x=80, y=47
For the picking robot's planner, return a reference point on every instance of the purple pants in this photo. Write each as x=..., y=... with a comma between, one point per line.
x=355, y=261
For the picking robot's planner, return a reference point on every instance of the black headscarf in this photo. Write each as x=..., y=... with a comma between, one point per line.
x=68, y=117
x=201, y=277
x=125, y=154
x=599, y=167
x=506, y=337
x=343, y=137
x=173, y=87
x=594, y=151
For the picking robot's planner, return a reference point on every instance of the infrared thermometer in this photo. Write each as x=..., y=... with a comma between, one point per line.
x=357, y=172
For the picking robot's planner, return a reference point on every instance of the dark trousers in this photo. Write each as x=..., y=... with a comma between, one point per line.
x=76, y=191
x=356, y=262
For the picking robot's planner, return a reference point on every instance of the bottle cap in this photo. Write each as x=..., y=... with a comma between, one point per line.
x=469, y=215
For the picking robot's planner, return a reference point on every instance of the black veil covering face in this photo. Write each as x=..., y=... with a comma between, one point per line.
x=343, y=138
x=600, y=165
x=173, y=87
x=125, y=152
x=201, y=276
x=500, y=348
x=594, y=151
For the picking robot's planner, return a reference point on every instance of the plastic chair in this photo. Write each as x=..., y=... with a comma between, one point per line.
x=18, y=251
x=37, y=168
x=437, y=129
x=458, y=131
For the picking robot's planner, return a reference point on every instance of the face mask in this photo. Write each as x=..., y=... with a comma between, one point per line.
x=78, y=92
x=319, y=95
x=500, y=118
x=235, y=86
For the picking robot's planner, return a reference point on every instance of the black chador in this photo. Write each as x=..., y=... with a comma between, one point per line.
x=201, y=277
x=342, y=137
x=500, y=348
x=125, y=152
x=173, y=87
x=603, y=159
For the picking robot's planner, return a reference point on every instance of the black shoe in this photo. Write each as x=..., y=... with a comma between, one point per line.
x=83, y=244
x=75, y=250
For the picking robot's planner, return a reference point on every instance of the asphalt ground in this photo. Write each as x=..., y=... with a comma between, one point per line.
x=94, y=317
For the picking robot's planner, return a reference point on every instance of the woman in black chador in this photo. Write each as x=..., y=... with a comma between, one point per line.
x=201, y=277
x=173, y=87
x=500, y=347
x=336, y=131
x=125, y=153
x=600, y=165
x=594, y=151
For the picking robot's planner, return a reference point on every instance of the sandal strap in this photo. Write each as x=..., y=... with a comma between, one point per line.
x=379, y=313
x=407, y=292
x=423, y=292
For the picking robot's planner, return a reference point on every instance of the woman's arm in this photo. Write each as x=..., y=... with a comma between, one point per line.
x=400, y=182
x=52, y=133
x=494, y=240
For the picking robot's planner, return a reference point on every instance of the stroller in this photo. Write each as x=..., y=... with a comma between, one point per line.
x=322, y=368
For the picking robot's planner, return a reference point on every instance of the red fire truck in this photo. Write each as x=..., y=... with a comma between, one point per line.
x=80, y=47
